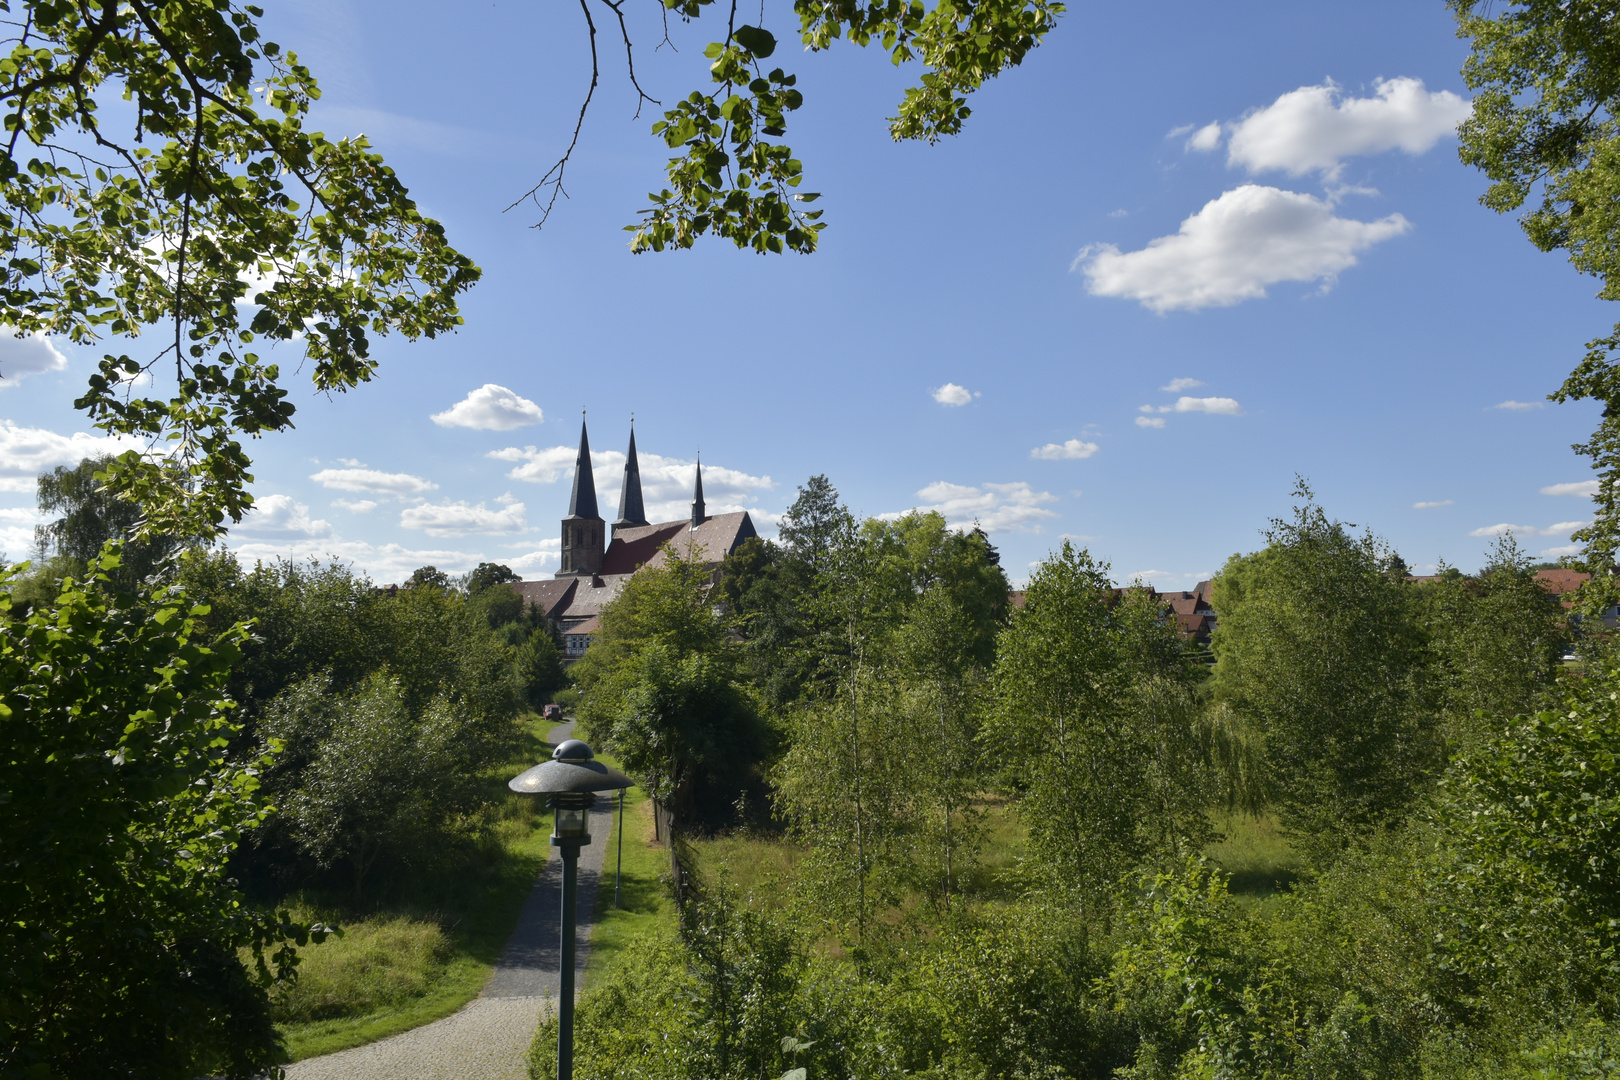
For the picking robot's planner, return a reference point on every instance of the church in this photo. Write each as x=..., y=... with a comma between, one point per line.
x=597, y=563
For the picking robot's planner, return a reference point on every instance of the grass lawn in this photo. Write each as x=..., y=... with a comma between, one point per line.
x=1256, y=855
x=424, y=951
x=646, y=908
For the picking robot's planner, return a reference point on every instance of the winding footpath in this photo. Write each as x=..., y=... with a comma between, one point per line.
x=489, y=1038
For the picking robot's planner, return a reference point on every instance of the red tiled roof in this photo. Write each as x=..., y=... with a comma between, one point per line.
x=589, y=626
x=1561, y=581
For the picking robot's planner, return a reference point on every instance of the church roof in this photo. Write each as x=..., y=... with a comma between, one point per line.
x=709, y=542
x=582, y=503
x=631, y=510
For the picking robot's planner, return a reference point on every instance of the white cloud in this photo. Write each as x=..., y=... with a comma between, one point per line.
x=951, y=394
x=1150, y=421
x=1314, y=128
x=1206, y=138
x=384, y=563
x=1119, y=213
x=28, y=355
x=666, y=483
x=1175, y=386
x=17, y=533
x=490, y=408
x=1221, y=406
x=25, y=452
x=460, y=518
x=1064, y=451
x=280, y=517
x=1520, y=406
x=374, y=482
x=1432, y=505
x=996, y=507
x=1562, y=528
x=1229, y=251
x=1560, y=551
x=1580, y=487
x=547, y=554
x=357, y=506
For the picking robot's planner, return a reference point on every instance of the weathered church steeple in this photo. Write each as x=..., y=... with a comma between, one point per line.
x=582, y=530
x=698, y=513
x=631, y=509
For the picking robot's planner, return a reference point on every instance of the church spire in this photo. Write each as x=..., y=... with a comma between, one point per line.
x=582, y=503
x=631, y=509
x=698, y=513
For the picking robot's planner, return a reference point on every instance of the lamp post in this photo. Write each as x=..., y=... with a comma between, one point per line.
x=569, y=781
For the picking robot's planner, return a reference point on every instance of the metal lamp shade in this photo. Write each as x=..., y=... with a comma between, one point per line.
x=557, y=777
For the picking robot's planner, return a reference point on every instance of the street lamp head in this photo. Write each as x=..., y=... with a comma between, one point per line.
x=569, y=781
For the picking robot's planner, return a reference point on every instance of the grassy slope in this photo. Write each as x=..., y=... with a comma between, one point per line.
x=422, y=955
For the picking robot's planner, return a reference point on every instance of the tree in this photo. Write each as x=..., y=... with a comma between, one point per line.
x=375, y=778
x=119, y=810
x=1546, y=125
x=1058, y=736
x=1497, y=640
x=659, y=687
x=486, y=574
x=206, y=213
x=427, y=577
x=1321, y=647
x=91, y=516
x=728, y=177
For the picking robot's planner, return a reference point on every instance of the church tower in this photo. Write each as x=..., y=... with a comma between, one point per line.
x=698, y=513
x=631, y=510
x=583, y=530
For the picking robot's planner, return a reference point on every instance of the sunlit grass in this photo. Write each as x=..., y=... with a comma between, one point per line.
x=1255, y=853
x=425, y=947
x=646, y=907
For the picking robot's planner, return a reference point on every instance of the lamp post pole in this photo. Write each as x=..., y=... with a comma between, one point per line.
x=569, y=781
x=565, y=1000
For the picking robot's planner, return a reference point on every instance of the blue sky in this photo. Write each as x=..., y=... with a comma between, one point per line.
x=1183, y=254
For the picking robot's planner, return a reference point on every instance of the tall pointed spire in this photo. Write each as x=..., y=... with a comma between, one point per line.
x=582, y=503
x=698, y=513
x=631, y=509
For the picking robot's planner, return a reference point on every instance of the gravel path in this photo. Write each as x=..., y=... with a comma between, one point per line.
x=489, y=1038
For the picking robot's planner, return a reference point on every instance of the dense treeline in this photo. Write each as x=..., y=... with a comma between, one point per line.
x=191, y=743
x=1451, y=796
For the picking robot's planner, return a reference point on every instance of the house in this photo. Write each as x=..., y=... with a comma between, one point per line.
x=594, y=569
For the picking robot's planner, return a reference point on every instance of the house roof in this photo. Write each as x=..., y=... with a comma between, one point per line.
x=592, y=595
x=589, y=626
x=550, y=596
x=710, y=542
x=1562, y=581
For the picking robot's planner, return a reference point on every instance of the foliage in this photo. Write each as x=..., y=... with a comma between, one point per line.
x=366, y=776
x=1497, y=639
x=214, y=211
x=1546, y=76
x=120, y=811
x=1319, y=645
x=1106, y=759
x=91, y=516
x=730, y=173
x=659, y=688
x=323, y=618
x=486, y=574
